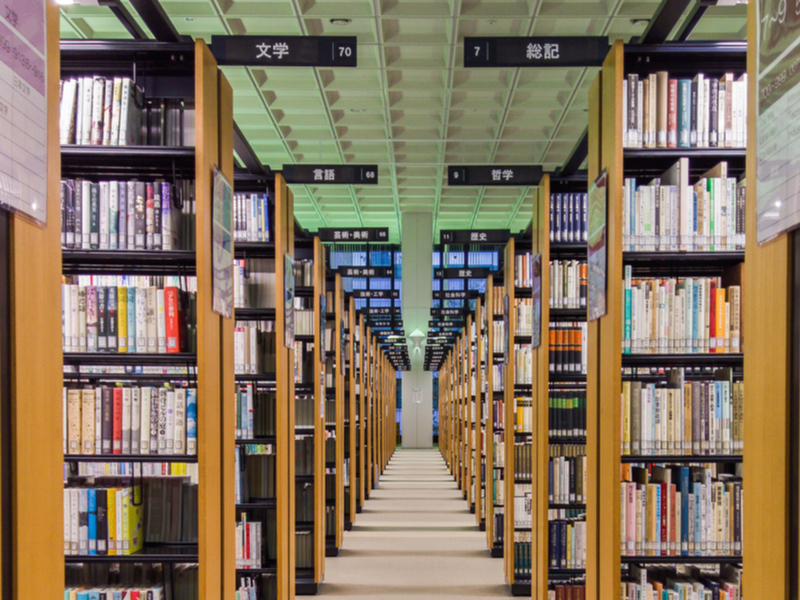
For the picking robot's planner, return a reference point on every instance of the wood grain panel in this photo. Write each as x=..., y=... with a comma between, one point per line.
x=489, y=295
x=340, y=393
x=479, y=399
x=353, y=441
x=509, y=416
x=319, y=413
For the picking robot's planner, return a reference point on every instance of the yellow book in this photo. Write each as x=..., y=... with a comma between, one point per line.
x=132, y=520
x=720, y=324
x=122, y=318
x=74, y=421
x=87, y=421
x=111, y=508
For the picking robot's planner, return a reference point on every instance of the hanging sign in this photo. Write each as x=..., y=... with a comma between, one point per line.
x=285, y=50
x=456, y=324
x=376, y=293
x=466, y=273
x=366, y=271
x=380, y=311
x=449, y=312
x=494, y=175
x=23, y=108
x=474, y=236
x=535, y=51
x=331, y=174
x=455, y=294
x=353, y=234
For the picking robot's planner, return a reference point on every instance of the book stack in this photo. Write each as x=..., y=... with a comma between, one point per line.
x=255, y=475
x=524, y=310
x=568, y=283
x=304, y=273
x=254, y=283
x=254, y=587
x=524, y=416
x=498, y=331
x=103, y=521
x=248, y=544
x=659, y=111
x=497, y=300
x=567, y=414
x=677, y=315
x=304, y=412
x=127, y=215
x=304, y=549
x=568, y=217
x=171, y=510
x=133, y=314
x=568, y=347
x=567, y=474
x=152, y=468
x=654, y=583
x=523, y=364
x=522, y=555
x=254, y=347
x=683, y=418
x=522, y=460
x=670, y=214
x=130, y=420
x=567, y=548
x=523, y=270
x=255, y=411
x=155, y=592
x=563, y=591
x=304, y=455
x=251, y=218
x=680, y=511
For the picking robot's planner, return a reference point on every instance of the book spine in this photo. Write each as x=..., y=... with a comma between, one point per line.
x=713, y=113
x=191, y=421
x=672, y=114
x=116, y=445
x=126, y=419
x=108, y=102
x=122, y=220
x=140, y=216
x=150, y=216
x=112, y=318
x=161, y=325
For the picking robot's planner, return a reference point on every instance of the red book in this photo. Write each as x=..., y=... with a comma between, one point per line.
x=672, y=516
x=672, y=114
x=712, y=316
x=664, y=512
x=117, y=422
x=172, y=319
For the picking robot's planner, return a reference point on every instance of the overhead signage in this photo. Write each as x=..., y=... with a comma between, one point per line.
x=548, y=51
x=494, y=175
x=331, y=174
x=597, y=260
x=23, y=108
x=376, y=294
x=448, y=312
x=366, y=271
x=285, y=50
x=467, y=273
x=455, y=294
x=353, y=234
x=371, y=311
x=474, y=236
x=456, y=324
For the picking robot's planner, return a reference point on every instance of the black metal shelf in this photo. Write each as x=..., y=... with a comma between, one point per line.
x=128, y=262
x=128, y=157
x=137, y=377
x=568, y=250
x=254, y=249
x=682, y=458
x=557, y=506
x=126, y=359
x=683, y=560
x=254, y=314
x=304, y=291
x=523, y=292
x=256, y=441
x=725, y=359
x=264, y=378
x=303, y=338
x=567, y=439
x=259, y=504
x=132, y=558
x=682, y=263
x=258, y=571
x=568, y=314
x=566, y=572
x=556, y=378
x=131, y=458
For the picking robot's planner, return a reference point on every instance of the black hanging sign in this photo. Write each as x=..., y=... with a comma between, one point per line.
x=380, y=311
x=331, y=174
x=455, y=294
x=494, y=175
x=376, y=293
x=465, y=273
x=366, y=271
x=458, y=324
x=285, y=50
x=586, y=51
x=449, y=312
x=353, y=234
x=474, y=236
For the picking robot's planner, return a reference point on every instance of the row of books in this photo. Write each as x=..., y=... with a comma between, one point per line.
x=683, y=418
x=567, y=474
x=524, y=309
x=522, y=504
x=254, y=283
x=656, y=582
x=95, y=468
x=304, y=411
x=248, y=543
x=568, y=283
x=567, y=414
x=522, y=555
x=100, y=111
x=568, y=217
x=667, y=214
x=304, y=363
x=680, y=511
x=102, y=521
x=134, y=314
x=567, y=544
x=304, y=455
x=523, y=364
x=251, y=218
x=497, y=376
x=304, y=272
x=130, y=420
x=255, y=474
x=659, y=111
x=568, y=349
x=496, y=301
x=523, y=422
x=132, y=578
x=681, y=315
x=170, y=510
x=523, y=460
x=304, y=549
x=127, y=215
x=255, y=411
x=254, y=347
x=263, y=586
x=498, y=336
x=523, y=270
x=566, y=591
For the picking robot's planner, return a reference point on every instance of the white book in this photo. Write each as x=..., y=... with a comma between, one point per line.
x=115, y=112
x=144, y=427
x=141, y=320
x=83, y=527
x=130, y=212
x=162, y=420
x=127, y=84
x=170, y=428
x=86, y=109
x=161, y=322
x=81, y=318
x=98, y=421
x=104, y=215
x=126, y=420
x=625, y=126
x=108, y=101
x=66, y=319
x=151, y=319
x=74, y=511
x=67, y=521
x=86, y=214
x=67, y=115
x=98, y=95
x=74, y=324
x=136, y=419
x=122, y=220
x=179, y=435
x=113, y=215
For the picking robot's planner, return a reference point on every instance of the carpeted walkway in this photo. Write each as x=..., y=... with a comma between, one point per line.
x=415, y=539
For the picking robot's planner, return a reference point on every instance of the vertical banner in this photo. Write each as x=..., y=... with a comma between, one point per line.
x=537, y=301
x=778, y=118
x=222, y=245
x=288, y=300
x=598, y=261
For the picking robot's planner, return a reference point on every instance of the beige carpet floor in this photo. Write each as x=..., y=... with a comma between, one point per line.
x=415, y=539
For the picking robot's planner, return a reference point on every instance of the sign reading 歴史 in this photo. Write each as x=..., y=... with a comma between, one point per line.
x=494, y=175
x=23, y=108
x=353, y=234
x=474, y=236
x=366, y=271
x=331, y=174
x=376, y=293
x=468, y=273
x=285, y=50
x=535, y=51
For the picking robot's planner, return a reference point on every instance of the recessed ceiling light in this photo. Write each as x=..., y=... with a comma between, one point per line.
x=358, y=111
x=341, y=22
x=492, y=22
x=190, y=19
x=639, y=21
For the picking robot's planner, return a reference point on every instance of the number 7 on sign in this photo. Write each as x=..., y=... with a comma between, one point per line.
x=478, y=48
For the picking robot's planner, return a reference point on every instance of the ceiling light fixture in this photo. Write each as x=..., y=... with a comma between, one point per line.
x=639, y=21
x=341, y=22
x=492, y=22
x=358, y=111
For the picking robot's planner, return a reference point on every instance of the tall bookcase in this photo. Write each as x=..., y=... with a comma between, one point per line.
x=494, y=427
x=612, y=372
x=210, y=367
x=352, y=423
x=479, y=395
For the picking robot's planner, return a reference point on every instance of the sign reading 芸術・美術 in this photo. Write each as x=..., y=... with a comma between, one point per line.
x=353, y=234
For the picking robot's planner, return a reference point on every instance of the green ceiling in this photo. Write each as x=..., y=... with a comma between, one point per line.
x=410, y=106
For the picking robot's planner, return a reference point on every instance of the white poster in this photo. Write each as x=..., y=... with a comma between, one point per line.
x=23, y=108
x=778, y=126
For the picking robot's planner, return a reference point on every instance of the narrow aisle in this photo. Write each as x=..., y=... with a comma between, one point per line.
x=415, y=539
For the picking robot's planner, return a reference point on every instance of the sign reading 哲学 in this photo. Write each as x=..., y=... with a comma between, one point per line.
x=353, y=234
x=23, y=108
x=331, y=174
x=494, y=175
x=535, y=51
x=285, y=50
